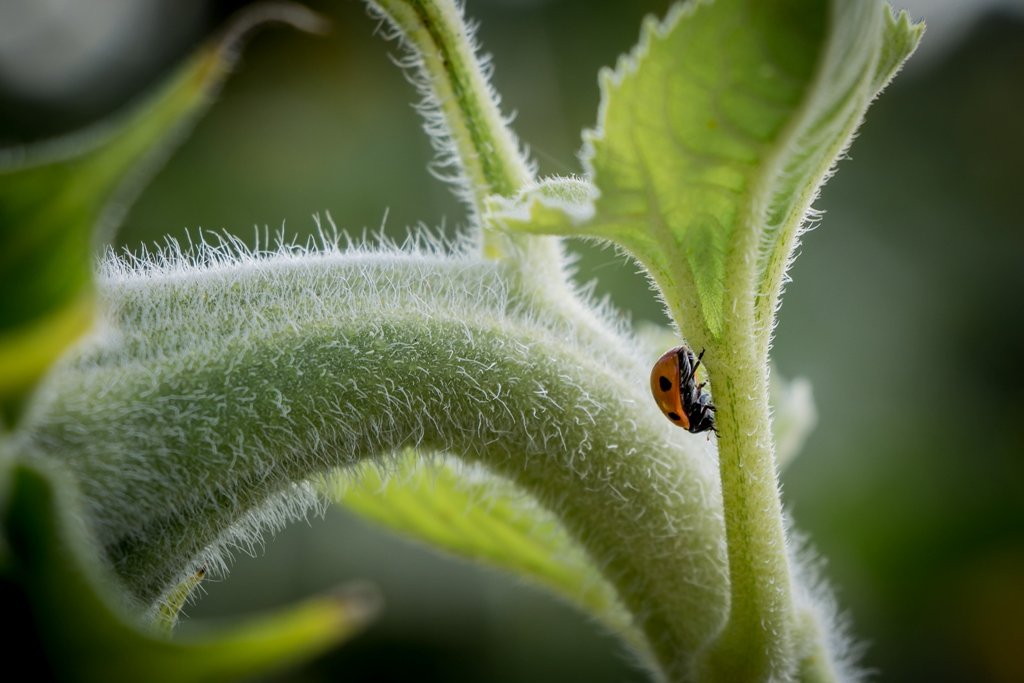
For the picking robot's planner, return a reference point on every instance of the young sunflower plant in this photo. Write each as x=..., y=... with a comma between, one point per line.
x=161, y=409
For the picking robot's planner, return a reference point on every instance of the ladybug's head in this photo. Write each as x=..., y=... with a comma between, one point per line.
x=702, y=418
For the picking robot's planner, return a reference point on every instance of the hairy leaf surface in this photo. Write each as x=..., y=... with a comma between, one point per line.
x=224, y=382
x=713, y=138
x=470, y=513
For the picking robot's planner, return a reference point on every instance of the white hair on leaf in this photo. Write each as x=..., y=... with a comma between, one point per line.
x=224, y=378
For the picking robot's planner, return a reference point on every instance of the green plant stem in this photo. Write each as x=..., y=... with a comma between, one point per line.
x=817, y=664
x=455, y=83
x=492, y=164
x=459, y=99
x=758, y=640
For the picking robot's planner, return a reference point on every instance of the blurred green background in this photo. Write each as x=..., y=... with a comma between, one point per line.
x=905, y=312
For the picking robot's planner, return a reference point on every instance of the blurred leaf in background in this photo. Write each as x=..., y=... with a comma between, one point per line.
x=904, y=314
x=65, y=616
x=59, y=201
x=72, y=628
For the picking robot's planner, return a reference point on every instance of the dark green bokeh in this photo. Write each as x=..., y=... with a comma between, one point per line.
x=904, y=312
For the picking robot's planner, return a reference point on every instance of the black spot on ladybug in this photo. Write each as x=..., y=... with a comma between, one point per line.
x=665, y=383
x=673, y=416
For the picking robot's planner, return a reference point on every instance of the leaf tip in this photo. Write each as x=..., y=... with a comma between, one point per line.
x=227, y=45
x=909, y=32
x=901, y=19
x=357, y=604
x=291, y=14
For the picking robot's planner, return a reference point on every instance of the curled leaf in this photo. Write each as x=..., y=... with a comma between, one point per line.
x=468, y=512
x=60, y=200
x=72, y=616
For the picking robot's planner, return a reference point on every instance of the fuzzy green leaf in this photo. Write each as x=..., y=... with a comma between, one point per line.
x=713, y=138
x=225, y=383
x=73, y=618
x=60, y=200
x=470, y=513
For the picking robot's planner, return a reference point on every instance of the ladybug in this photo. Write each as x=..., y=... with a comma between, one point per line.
x=678, y=395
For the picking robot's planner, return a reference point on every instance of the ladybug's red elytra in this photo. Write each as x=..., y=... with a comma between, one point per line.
x=677, y=393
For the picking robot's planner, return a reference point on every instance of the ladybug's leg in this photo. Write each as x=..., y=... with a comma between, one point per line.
x=693, y=370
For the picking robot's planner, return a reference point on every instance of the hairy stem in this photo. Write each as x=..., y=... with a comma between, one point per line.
x=817, y=663
x=463, y=97
x=461, y=107
x=464, y=120
x=214, y=390
x=757, y=644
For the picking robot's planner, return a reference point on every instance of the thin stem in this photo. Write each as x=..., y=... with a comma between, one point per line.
x=462, y=104
x=484, y=148
x=757, y=642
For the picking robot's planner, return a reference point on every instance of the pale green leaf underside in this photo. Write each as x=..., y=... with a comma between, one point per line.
x=713, y=138
x=470, y=513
